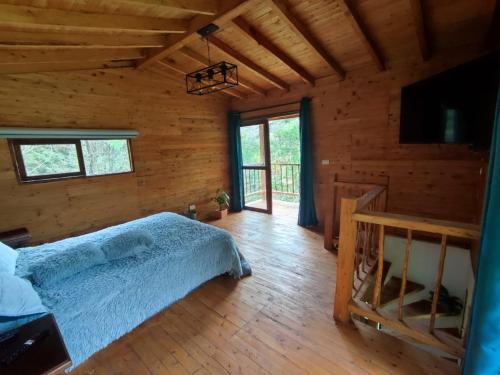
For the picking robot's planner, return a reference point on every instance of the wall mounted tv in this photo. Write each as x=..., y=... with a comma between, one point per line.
x=454, y=107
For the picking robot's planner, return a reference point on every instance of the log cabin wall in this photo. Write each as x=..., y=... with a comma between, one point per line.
x=356, y=129
x=180, y=156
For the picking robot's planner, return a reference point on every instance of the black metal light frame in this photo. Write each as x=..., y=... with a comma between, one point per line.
x=213, y=78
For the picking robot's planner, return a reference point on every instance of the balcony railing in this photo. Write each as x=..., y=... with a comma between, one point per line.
x=285, y=182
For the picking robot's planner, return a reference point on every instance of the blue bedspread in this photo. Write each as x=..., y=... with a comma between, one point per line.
x=101, y=304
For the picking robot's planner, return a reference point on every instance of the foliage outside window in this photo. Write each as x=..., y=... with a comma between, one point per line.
x=284, y=141
x=42, y=160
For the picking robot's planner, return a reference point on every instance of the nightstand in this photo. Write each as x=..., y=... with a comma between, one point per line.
x=16, y=238
x=47, y=356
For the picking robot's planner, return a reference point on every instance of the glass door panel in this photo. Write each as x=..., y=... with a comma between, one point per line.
x=256, y=166
x=255, y=188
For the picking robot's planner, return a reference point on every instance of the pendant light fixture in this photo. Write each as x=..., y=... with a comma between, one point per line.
x=220, y=76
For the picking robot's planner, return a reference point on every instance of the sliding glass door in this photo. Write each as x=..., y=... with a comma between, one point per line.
x=256, y=166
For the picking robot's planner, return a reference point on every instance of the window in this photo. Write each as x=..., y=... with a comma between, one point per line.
x=44, y=159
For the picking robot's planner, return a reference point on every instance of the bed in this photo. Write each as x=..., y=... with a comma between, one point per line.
x=102, y=303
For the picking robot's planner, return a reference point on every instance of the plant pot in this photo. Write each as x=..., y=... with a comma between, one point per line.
x=219, y=214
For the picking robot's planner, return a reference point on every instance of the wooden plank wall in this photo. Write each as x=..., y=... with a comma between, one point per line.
x=356, y=128
x=180, y=156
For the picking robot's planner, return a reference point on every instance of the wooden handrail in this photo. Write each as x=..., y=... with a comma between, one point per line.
x=367, y=198
x=443, y=227
x=332, y=208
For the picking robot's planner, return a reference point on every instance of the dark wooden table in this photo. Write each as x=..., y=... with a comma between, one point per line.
x=48, y=356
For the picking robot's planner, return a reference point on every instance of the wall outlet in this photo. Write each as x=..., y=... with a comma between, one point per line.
x=325, y=162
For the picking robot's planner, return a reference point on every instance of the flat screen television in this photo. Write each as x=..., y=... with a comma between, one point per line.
x=453, y=107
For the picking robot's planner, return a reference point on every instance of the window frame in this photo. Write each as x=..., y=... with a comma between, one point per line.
x=19, y=166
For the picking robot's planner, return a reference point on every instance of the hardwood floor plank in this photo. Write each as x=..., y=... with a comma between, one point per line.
x=278, y=321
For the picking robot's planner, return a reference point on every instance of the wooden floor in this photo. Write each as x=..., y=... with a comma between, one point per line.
x=277, y=321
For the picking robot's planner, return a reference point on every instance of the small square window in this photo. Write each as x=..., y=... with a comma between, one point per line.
x=106, y=156
x=50, y=159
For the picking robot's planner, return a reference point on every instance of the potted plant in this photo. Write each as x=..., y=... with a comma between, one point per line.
x=222, y=199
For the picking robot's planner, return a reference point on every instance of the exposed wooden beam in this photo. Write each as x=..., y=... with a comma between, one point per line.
x=57, y=40
x=173, y=66
x=363, y=34
x=250, y=31
x=492, y=39
x=229, y=9
x=195, y=56
x=228, y=50
x=281, y=8
x=22, y=56
x=65, y=66
x=417, y=10
x=208, y=7
x=24, y=18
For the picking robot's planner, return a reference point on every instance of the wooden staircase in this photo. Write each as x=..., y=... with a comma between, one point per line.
x=416, y=313
x=366, y=289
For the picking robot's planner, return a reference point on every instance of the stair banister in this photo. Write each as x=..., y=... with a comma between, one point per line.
x=363, y=225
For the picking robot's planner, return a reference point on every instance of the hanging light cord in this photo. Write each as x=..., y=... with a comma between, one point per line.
x=208, y=51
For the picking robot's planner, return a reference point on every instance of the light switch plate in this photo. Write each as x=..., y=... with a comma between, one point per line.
x=325, y=162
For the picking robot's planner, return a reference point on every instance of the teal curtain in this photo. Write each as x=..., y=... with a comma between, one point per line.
x=483, y=348
x=234, y=122
x=307, y=209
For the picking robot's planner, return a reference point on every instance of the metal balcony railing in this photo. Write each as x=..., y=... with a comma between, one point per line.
x=285, y=182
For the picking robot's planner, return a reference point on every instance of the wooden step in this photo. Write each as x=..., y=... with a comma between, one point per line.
x=440, y=339
x=455, y=331
x=422, y=310
x=390, y=291
x=368, y=294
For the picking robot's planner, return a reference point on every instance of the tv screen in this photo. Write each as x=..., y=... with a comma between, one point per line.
x=454, y=107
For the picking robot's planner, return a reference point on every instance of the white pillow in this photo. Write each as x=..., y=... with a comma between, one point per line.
x=8, y=257
x=17, y=297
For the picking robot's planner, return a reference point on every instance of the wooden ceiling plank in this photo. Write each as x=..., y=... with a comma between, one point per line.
x=228, y=10
x=417, y=10
x=172, y=66
x=206, y=7
x=195, y=56
x=228, y=50
x=281, y=8
x=254, y=34
x=189, y=7
x=60, y=40
x=492, y=39
x=360, y=29
x=20, y=56
x=25, y=18
x=64, y=66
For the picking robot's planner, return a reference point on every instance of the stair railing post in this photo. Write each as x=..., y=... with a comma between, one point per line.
x=330, y=213
x=437, y=286
x=380, y=269
x=404, y=273
x=345, y=260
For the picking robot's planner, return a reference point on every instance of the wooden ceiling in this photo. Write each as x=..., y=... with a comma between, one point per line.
x=275, y=43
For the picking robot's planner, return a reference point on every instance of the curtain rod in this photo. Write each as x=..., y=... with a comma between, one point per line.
x=271, y=107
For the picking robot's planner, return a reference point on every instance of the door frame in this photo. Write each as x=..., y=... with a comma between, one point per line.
x=266, y=167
